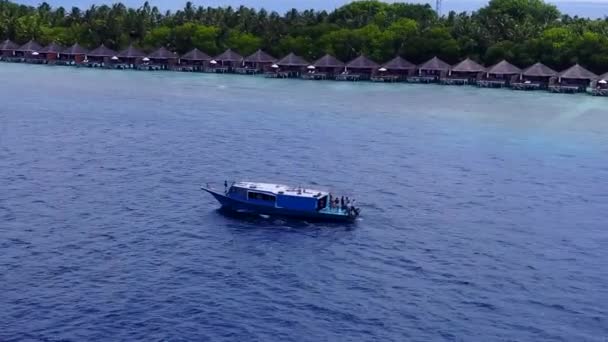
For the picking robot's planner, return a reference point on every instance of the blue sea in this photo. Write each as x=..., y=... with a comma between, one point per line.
x=483, y=211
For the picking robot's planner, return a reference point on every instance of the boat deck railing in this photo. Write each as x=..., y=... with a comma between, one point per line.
x=335, y=211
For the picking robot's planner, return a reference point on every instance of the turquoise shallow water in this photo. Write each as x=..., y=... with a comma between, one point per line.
x=484, y=211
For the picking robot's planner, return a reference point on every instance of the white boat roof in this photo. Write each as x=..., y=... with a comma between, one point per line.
x=285, y=189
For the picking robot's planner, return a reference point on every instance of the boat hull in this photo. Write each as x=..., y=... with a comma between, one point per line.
x=231, y=204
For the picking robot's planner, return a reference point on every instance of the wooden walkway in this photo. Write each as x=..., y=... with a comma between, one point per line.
x=598, y=92
x=348, y=77
x=492, y=83
x=422, y=79
x=454, y=81
x=280, y=74
x=247, y=71
x=315, y=76
x=385, y=78
x=527, y=86
x=565, y=89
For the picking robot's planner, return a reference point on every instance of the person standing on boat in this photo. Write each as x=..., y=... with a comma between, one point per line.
x=342, y=202
x=226, y=186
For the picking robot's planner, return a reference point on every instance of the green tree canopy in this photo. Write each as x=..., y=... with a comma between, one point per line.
x=523, y=31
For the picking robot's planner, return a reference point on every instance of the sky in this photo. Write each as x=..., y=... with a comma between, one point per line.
x=586, y=8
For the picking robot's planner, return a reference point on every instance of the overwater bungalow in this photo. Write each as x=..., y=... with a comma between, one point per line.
x=195, y=60
x=575, y=79
x=323, y=68
x=397, y=69
x=160, y=59
x=600, y=86
x=465, y=72
x=130, y=57
x=537, y=76
x=50, y=53
x=430, y=71
x=257, y=62
x=75, y=54
x=360, y=68
x=291, y=65
x=28, y=52
x=500, y=75
x=228, y=61
x=101, y=57
x=7, y=49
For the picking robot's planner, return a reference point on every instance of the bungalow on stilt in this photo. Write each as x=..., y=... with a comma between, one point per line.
x=323, y=68
x=430, y=71
x=360, y=68
x=575, y=79
x=256, y=63
x=465, y=72
x=194, y=60
x=537, y=76
x=395, y=70
x=500, y=75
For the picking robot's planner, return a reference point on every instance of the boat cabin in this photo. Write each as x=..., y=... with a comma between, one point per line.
x=279, y=196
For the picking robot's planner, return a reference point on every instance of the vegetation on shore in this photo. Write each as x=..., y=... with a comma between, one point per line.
x=522, y=31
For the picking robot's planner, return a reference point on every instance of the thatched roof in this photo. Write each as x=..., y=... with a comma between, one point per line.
x=468, y=65
x=102, y=51
x=577, y=72
x=260, y=57
x=604, y=77
x=399, y=63
x=8, y=45
x=131, y=52
x=52, y=48
x=75, y=50
x=196, y=55
x=163, y=53
x=362, y=62
x=435, y=64
x=30, y=46
x=292, y=60
x=328, y=61
x=539, y=70
x=229, y=56
x=504, y=68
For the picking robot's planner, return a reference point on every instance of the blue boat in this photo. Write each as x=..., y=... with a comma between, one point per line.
x=283, y=200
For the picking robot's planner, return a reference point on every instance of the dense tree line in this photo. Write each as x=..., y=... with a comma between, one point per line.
x=522, y=31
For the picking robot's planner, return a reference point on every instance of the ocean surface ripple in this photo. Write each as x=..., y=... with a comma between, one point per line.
x=483, y=211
